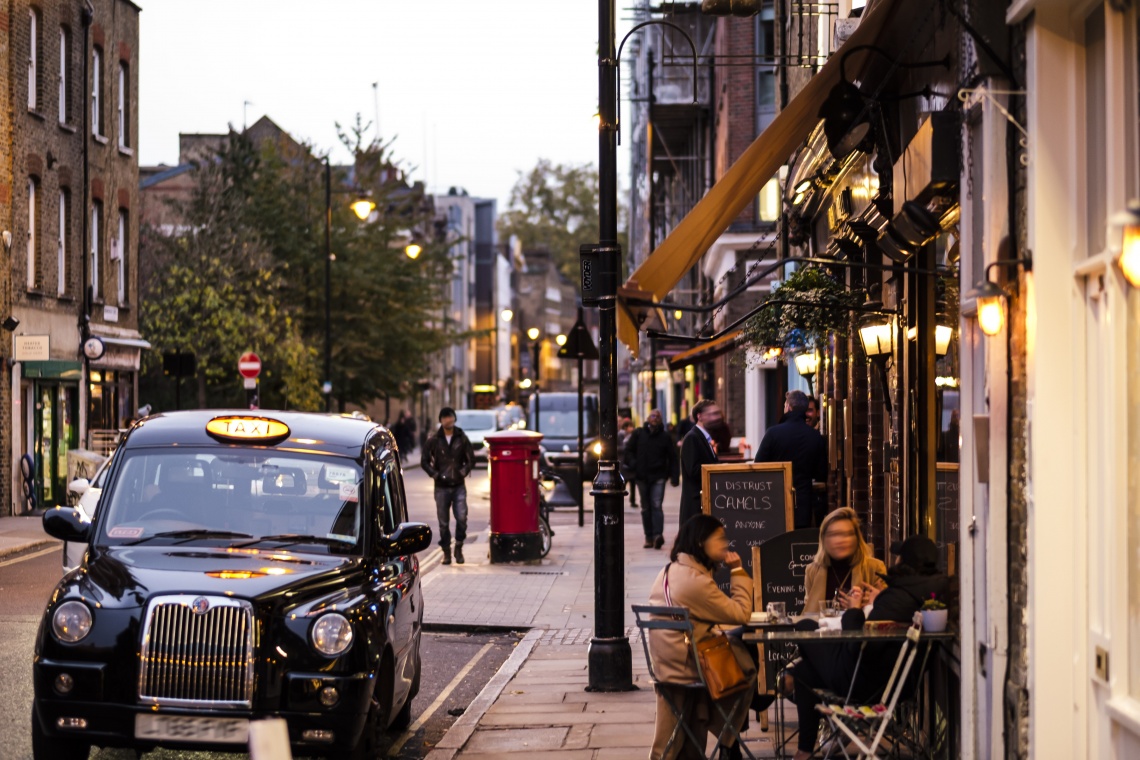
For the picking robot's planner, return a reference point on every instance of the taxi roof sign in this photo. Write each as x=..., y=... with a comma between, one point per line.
x=247, y=429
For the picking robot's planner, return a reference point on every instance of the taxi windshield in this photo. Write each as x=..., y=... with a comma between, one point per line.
x=235, y=495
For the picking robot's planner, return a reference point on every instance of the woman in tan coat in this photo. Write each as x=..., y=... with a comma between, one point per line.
x=701, y=545
x=844, y=568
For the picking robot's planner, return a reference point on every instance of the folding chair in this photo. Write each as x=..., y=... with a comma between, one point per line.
x=865, y=725
x=677, y=619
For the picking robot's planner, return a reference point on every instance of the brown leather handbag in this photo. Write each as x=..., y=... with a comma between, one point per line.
x=722, y=672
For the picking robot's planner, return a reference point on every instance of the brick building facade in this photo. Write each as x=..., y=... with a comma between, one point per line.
x=74, y=227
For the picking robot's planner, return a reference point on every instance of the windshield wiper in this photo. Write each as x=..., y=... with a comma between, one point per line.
x=288, y=539
x=191, y=534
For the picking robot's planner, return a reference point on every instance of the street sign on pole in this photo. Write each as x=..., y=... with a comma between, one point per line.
x=249, y=365
x=579, y=344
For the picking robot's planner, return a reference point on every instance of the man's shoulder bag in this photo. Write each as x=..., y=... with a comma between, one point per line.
x=721, y=670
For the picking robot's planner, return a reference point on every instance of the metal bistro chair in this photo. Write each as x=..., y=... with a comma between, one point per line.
x=677, y=619
x=866, y=725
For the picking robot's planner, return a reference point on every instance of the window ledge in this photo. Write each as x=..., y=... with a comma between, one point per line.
x=65, y=297
x=1126, y=711
x=71, y=128
x=101, y=139
x=35, y=292
x=98, y=302
x=126, y=150
x=33, y=112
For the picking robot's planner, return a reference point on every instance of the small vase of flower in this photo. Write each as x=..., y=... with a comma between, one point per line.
x=934, y=615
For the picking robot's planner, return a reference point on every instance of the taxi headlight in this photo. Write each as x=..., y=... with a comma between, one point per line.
x=332, y=634
x=71, y=622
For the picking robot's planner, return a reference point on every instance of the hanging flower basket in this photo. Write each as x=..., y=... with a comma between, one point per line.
x=805, y=308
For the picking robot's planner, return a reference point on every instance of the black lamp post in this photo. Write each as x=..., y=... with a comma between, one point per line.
x=536, y=347
x=362, y=207
x=610, y=660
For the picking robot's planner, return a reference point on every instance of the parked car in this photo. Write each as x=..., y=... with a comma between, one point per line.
x=557, y=420
x=477, y=423
x=89, y=492
x=511, y=417
x=240, y=566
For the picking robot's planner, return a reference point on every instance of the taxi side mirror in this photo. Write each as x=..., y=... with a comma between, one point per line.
x=65, y=524
x=409, y=538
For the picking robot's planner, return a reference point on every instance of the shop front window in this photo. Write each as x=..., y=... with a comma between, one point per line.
x=56, y=432
x=110, y=401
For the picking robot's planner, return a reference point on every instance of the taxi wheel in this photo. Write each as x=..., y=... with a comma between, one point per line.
x=368, y=746
x=46, y=747
x=403, y=718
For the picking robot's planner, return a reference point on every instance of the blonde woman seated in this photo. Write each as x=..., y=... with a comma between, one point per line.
x=843, y=572
x=844, y=569
x=687, y=581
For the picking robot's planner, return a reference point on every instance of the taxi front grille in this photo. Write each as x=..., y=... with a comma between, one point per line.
x=197, y=651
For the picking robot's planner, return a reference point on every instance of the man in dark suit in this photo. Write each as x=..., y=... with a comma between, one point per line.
x=696, y=450
x=796, y=441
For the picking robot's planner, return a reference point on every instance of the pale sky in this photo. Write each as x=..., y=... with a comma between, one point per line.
x=473, y=91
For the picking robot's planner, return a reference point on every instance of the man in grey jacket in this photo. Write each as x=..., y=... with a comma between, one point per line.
x=449, y=458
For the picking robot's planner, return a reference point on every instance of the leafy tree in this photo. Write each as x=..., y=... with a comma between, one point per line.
x=247, y=271
x=211, y=289
x=554, y=207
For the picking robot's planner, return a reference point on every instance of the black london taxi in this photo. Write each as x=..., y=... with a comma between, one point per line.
x=241, y=565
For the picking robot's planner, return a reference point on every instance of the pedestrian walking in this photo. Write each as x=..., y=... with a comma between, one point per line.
x=448, y=459
x=402, y=435
x=625, y=431
x=696, y=450
x=651, y=455
x=794, y=440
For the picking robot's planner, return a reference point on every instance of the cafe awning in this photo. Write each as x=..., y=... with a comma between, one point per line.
x=706, y=351
x=712, y=215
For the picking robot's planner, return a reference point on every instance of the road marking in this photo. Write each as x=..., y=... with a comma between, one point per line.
x=49, y=550
x=443, y=695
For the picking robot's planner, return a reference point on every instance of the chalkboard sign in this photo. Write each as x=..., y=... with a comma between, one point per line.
x=753, y=500
x=946, y=490
x=779, y=577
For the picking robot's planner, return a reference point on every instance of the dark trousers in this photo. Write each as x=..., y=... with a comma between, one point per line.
x=652, y=515
x=821, y=666
x=448, y=500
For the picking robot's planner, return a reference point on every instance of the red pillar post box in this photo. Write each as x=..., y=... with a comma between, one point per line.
x=514, y=456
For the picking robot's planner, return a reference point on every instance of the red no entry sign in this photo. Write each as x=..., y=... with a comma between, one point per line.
x=249, y=365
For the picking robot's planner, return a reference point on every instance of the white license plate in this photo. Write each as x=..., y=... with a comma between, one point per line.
x=187, y=728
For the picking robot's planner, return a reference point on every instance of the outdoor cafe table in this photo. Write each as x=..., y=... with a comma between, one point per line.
x=782, y=633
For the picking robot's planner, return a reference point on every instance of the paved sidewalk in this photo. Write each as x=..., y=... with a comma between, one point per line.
x=23, y=534
x=537, y=703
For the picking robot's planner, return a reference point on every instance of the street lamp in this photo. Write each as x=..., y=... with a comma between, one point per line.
x=363, y=207
x=807, y=364
x=877, y=334
x=507, y=315
x=1130, y=243
x=991, y=307
x=560, y=340
x=413, y=250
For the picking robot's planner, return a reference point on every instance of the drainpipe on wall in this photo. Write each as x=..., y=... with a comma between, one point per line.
x=87, y=15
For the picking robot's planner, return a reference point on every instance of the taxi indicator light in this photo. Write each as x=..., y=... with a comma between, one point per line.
x=248, y=429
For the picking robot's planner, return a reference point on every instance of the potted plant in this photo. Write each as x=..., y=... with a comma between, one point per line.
x=934, y=615
x=802, y=312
